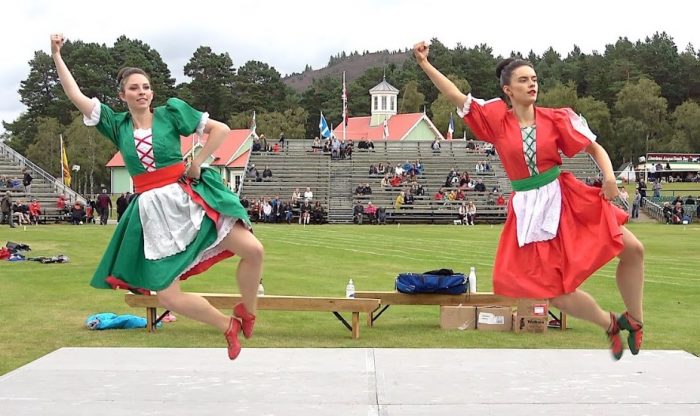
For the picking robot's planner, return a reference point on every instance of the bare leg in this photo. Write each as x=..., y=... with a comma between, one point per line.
x=242, y=242
x=192, y=306
x=581, y=305
x=630, y=274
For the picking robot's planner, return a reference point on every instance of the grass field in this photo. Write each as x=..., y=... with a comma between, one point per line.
x=44, y=307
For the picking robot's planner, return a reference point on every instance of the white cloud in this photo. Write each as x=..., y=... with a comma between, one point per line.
x=288, y=35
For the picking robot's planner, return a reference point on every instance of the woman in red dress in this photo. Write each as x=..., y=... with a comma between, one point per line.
x=559, y=231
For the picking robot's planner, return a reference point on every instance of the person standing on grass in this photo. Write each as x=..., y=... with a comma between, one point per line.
x=558, y=230
x=183, y=220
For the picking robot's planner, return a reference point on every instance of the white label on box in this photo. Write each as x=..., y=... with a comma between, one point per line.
x=539, y=310
x=491, y=319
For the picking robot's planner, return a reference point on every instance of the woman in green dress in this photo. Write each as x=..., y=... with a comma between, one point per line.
x=183, y=219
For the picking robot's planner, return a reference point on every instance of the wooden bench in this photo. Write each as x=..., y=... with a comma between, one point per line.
x=277, y=303
x=387, y=299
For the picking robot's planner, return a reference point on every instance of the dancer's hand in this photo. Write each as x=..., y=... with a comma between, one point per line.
x=194, y=171
x=56, y=43
x=420, y=51
x=609, y=189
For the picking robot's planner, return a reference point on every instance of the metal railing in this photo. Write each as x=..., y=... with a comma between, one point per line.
x=11, y=154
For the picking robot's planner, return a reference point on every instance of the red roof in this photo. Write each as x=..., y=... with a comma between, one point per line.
x=222, y=155
x=241, y=161
x=358, y=128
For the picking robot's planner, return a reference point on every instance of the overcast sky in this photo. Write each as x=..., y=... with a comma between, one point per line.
x=290, y=34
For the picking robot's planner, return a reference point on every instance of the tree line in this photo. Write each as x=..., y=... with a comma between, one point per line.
x=636, y=96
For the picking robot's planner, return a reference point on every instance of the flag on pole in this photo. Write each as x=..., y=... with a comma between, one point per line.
x=386, y=129
x=323, y=127
x=450, y=128
x=254, y=125
x=65, y=168
x=345, y=102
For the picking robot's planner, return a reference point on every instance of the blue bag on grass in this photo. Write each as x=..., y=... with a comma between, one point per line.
x=452, y=283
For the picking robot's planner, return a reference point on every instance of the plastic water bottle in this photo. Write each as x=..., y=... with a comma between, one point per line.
x=261, y=289
x=350, y=290
x=472, y=280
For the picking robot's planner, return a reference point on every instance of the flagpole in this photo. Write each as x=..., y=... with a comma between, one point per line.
x=345, y=105
x=60, y=155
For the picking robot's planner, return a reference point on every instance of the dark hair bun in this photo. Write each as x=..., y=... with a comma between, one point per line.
x=501, y=65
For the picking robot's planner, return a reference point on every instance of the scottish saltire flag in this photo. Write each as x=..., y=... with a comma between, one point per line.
x=450, y=128
x=323, y=128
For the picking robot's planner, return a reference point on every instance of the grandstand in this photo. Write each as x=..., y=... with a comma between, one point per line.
x=333, y=181
x=45, y=188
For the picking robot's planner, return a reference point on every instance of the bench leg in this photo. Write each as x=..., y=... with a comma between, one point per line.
x=151, y=319
x=562, y=319
x=355, y=325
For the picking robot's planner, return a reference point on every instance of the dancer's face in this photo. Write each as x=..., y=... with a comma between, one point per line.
x=137, y=92
x=523, y=87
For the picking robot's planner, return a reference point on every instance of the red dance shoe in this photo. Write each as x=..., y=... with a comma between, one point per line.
x=636, y=331
x=613, y=333
x=231, y=334
x=247, y=319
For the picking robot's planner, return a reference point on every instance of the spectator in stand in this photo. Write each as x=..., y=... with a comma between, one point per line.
x=256, y=144
x=288, y=212
x=678, y=213
x=395, y=181
x=367, y=190
x=263, y=143
x=316, y=145
x=359, y=190
x=335, y=148
x=122, y=204
x=462, y=213
x=308, y=195
x=501, y=201
x=689, y=200
x=371, y=212
x=357, y=213
x=281, y=142
x=408, y=198
x=318, y=213
x=667, y=213
x=370, y=144
x=385, y=181
x=326, y=146
x=267, y=173
x=104, y=206
x=398, y=202
x=27, y=182
x=296, y=198
x=435, y=145
x=61, y=204
x=479, y=187
x=305, y=212
x=21, y=212
x=471, y=213
x=34, y=212
x=440, y=195
x=276, y=148
x=380, y=169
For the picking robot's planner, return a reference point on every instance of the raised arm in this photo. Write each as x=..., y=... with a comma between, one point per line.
x=218, y=132
x=70, y=87
x=447, y=87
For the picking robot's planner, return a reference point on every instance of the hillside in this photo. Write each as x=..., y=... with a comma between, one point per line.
x=354, y=66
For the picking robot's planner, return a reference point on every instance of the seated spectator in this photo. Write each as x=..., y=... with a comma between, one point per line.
x=462, y=213
x=308, y=195
x=256, y=144
x=61, y=204
x=316, y=145
x=408, y=198
x=367, y=190
x=440, y=195
x=267, y=173
x=288, y=212
x=385, y=181
x=281, y=142
x=395, y=181
x=326, y=146
x=371, y=212
x=296, y=198
x=263, y=143
x=435, y=145
x=305, y=212
x=267, y=211
x=370, y=144
x=359, y=189
x=418, y=189
x=380, y=169
x=318, y=213
x=349, y=146
x=381, y=215
x=471, y=145
x=21, y=212
x=678, y=213
x=357, y=213
x=34, y=212
x=276, y=148
x=690, y=200
x=479, y=187
x=471, y=213
x=77, y=214
x=418, y=167
x=667, y=213
x=500, y=200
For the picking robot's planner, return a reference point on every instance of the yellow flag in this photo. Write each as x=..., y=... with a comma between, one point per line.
x=64, y=165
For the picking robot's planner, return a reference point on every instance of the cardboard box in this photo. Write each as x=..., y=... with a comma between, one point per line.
x=532, y=316
x=458, y=317
x=494, y=318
